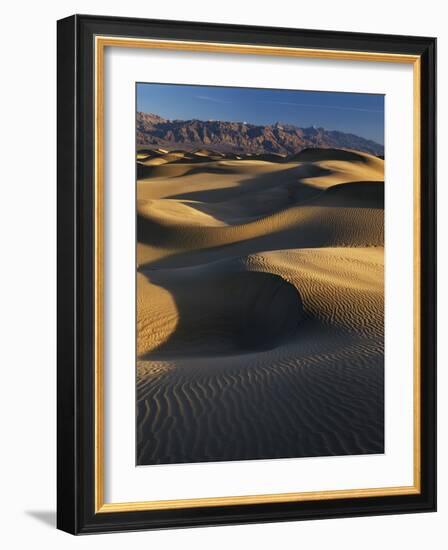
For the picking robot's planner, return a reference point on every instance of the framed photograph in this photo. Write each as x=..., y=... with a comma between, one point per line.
x=246, y=274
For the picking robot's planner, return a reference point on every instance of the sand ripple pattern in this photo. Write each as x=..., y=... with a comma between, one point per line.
x=270, y=405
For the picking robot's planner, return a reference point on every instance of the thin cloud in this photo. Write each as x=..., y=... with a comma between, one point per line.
x=293, y=104
x=320, y=106
x=213, y=99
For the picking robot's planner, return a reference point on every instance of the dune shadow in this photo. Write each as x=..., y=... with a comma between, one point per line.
x=316, y=154
x=253, y=206
x=210, y=168
x=225, y=312
x=180, y=168
x=260, y=182
x=356, y=194
x=281, y=240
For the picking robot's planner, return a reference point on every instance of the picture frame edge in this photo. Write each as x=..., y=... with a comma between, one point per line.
x=75, y=409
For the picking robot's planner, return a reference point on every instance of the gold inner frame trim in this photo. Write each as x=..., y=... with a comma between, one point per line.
x=101, y=42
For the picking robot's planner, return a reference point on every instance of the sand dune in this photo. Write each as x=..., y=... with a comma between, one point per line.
x=309, y=225
x=260, y=307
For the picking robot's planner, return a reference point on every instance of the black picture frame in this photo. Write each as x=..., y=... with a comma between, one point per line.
x=76, y=511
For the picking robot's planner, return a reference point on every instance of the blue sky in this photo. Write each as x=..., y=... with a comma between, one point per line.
x=360, y=114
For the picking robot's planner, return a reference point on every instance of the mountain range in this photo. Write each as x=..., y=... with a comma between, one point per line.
x=154, y=131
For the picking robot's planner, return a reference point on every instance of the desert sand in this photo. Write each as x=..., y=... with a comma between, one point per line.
x=260, y=305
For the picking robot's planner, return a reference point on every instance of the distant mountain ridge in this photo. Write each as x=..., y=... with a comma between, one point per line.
x=241, y=137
